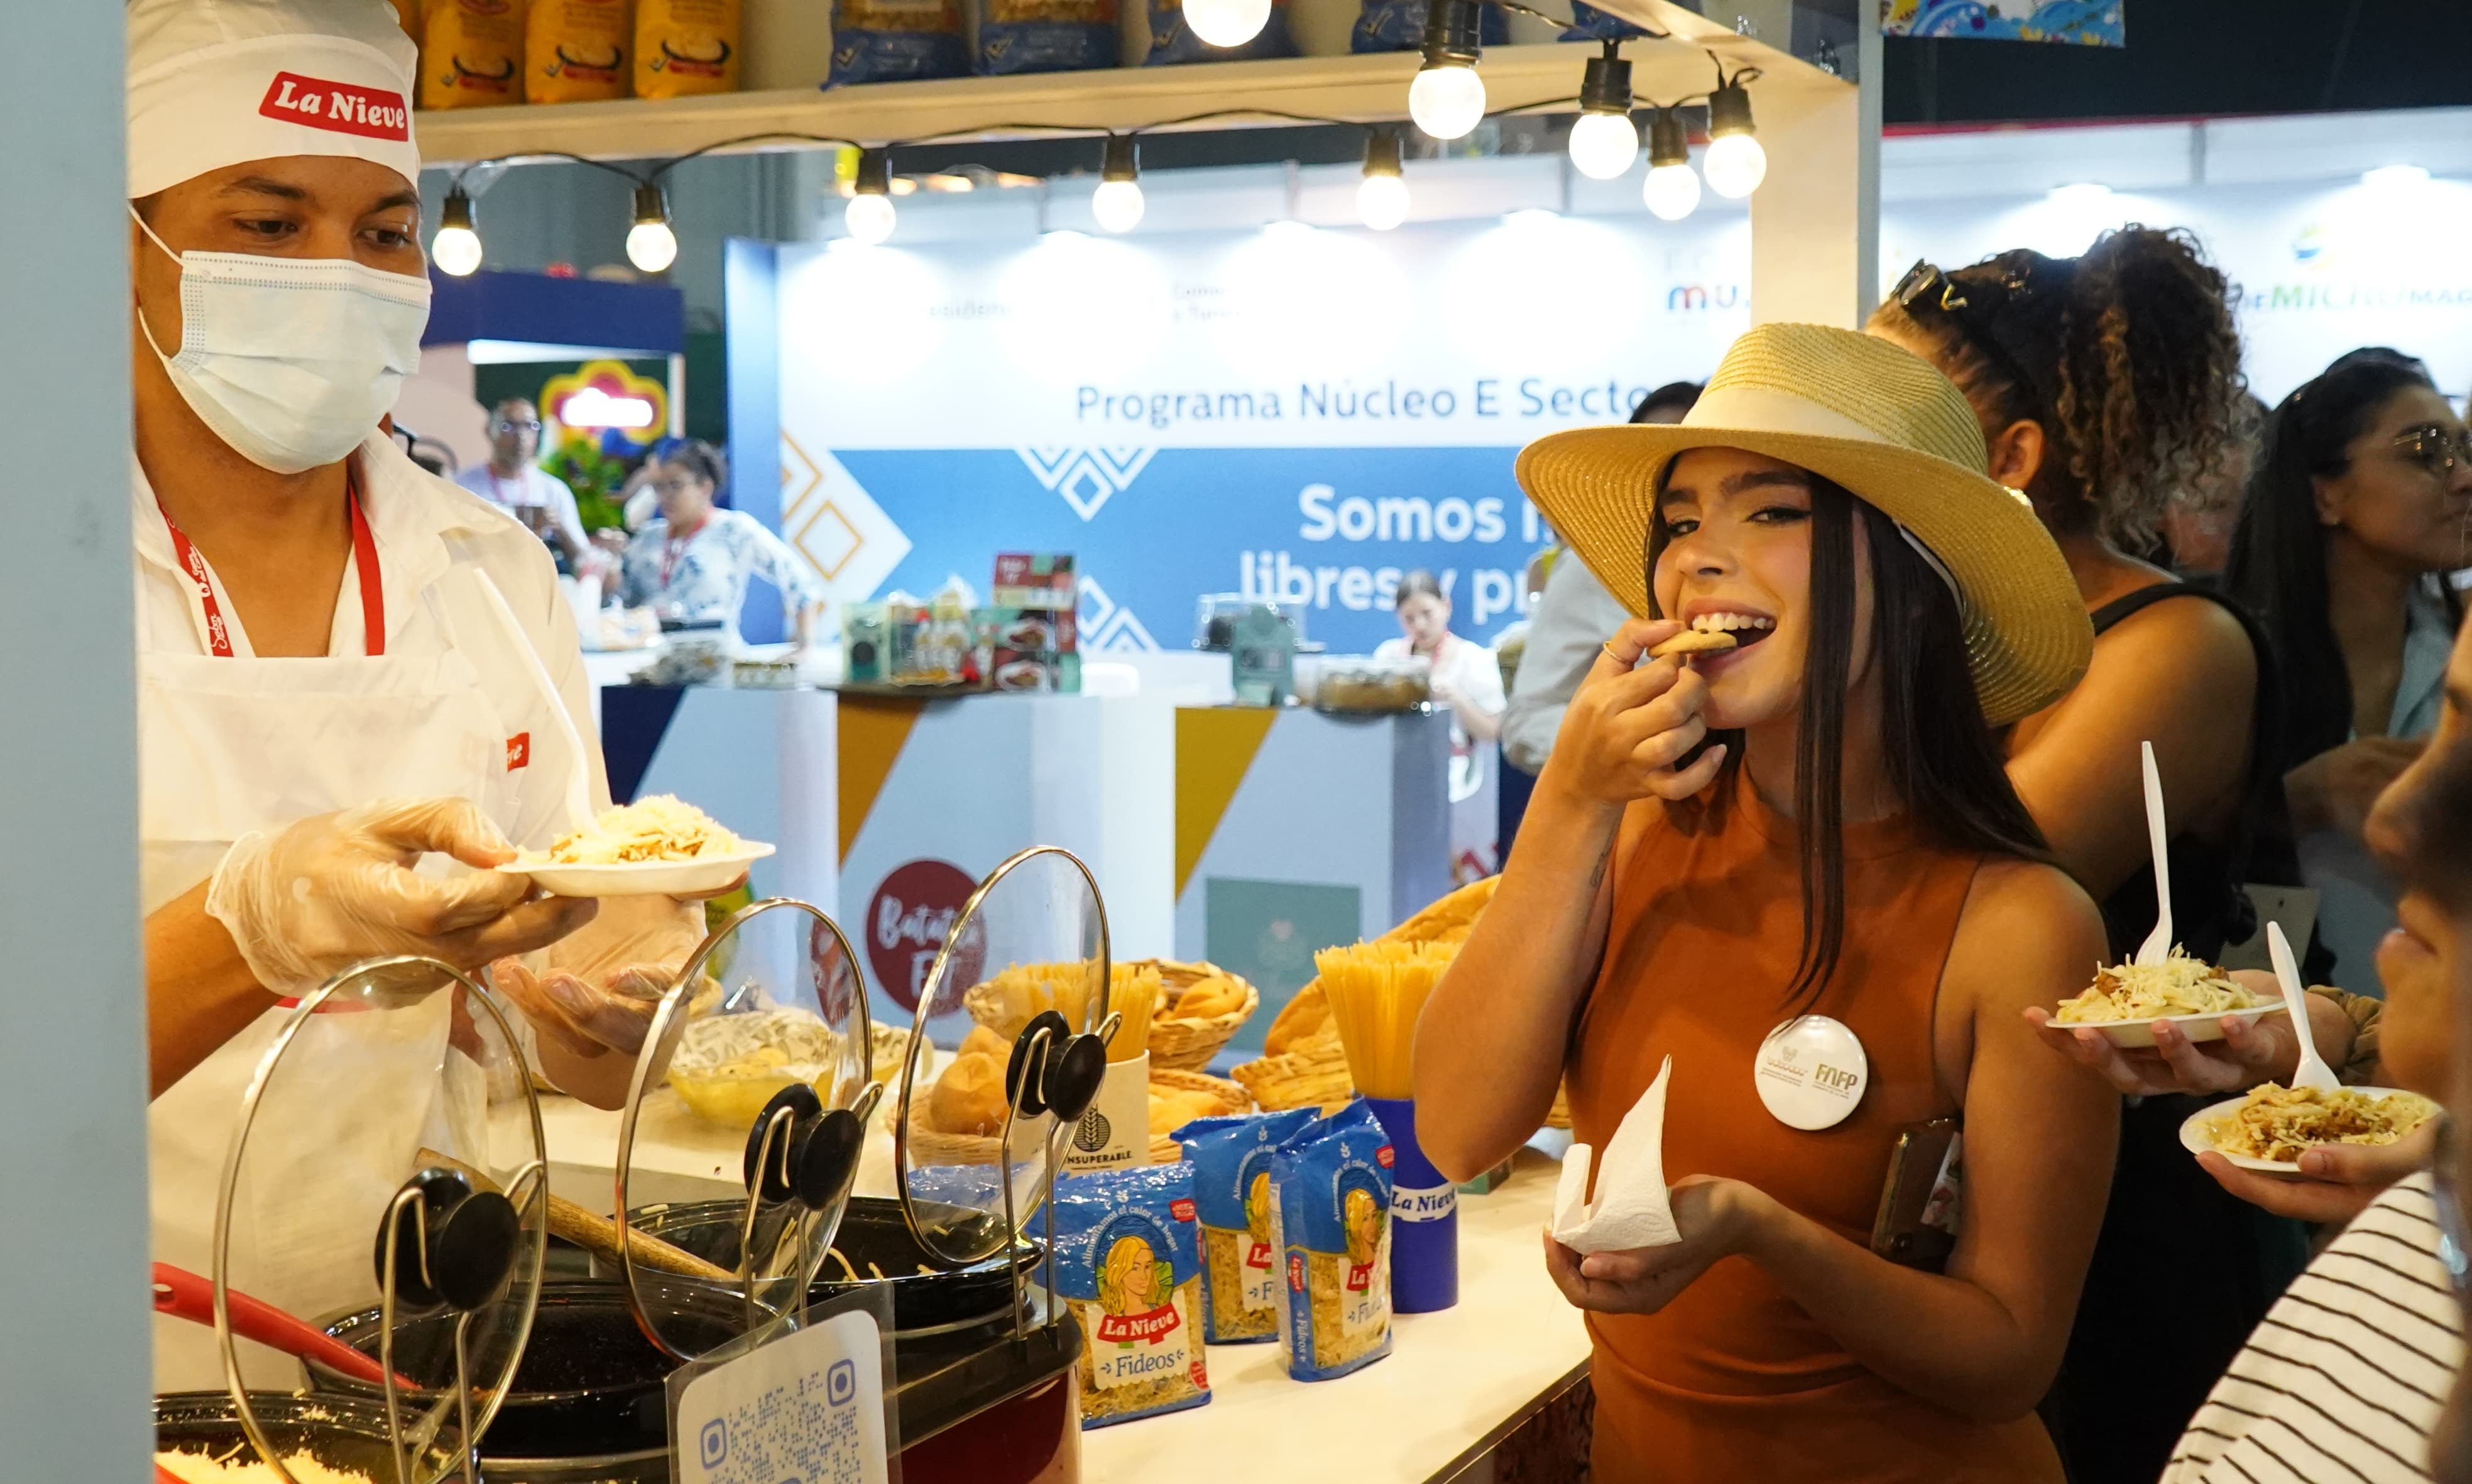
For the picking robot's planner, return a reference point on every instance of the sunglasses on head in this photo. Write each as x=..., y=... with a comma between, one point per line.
x=1973, y=306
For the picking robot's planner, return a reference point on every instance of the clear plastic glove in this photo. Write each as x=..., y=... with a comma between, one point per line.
x=306, y=902
x=596, y=989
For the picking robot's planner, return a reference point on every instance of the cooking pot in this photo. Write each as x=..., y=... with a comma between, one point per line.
x=339, y=1432
x=589, y=1400
x=874, y=1238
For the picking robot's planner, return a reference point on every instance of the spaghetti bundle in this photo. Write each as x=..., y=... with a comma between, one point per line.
x=1005, y=1002
x=1376, y=991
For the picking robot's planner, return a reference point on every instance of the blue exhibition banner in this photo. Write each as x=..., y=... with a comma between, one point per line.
x=1294, y=414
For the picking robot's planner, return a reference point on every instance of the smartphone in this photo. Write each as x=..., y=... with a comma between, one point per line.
x=1916, y=1225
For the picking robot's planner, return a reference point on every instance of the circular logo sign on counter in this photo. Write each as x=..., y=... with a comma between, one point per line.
x=912, y=908
x=1811, y=1071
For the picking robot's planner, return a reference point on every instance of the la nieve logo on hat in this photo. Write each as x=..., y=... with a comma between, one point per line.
x=342, y=108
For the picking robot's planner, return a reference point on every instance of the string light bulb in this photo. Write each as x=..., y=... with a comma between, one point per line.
x=870, y=216
x=1382, y=196
x=1603, y=141
x=651, y=245
x=1226, y=22
x=1118, y=204
x=1736, y=164
x=1447, y=98
x=456, y=250
x=1672, y=190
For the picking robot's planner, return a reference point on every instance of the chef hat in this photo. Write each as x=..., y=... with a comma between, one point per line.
x=217, y=82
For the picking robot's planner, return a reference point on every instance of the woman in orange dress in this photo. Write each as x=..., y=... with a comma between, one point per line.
x=1810, y=827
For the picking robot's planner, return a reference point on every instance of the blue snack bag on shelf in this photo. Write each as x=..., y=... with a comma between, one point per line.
x=1128, y=1268
x=1590, y=24
x=1046, y=35
x=1231, y=1188
x=1399, y=26
x=1172, y=41
x=897, y=41
x=1330, y=1217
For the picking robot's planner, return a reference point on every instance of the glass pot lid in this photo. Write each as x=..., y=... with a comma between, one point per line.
x=975, y=1138
x=427, y=1202
x=765, y=1032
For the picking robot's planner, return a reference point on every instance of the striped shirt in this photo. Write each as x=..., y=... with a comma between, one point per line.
x=2346, y=1375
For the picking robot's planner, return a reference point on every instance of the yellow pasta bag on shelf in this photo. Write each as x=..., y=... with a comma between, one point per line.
x=470, y=53
x=684, y=47
x=574, y=51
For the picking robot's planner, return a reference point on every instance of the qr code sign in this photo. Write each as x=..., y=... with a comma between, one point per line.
x=807, y=1408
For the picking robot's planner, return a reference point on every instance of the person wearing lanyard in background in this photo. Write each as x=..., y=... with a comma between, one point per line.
x=1467, y=677
x=512, y=480
x=691, y=565
x=346, y=665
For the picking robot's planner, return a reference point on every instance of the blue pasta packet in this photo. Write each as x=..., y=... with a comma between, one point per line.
x=1129, y=1267
x=1046, y=35
x=899, y=41
x=1330, y=1218
x=1590, y=24
x=1399, y=26
x=1231, y=1188
x=1172, y=41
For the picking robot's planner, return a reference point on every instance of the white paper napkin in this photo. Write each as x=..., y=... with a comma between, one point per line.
x=1631, y=1209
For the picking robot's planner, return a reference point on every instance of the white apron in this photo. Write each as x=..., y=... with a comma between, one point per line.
x=231, y=745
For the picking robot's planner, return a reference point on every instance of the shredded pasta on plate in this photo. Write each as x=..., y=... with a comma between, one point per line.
x=660, y=826
x=2179, y=985
x=2278, y=1122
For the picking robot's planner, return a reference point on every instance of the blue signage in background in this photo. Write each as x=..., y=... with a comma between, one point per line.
x=1152, y=530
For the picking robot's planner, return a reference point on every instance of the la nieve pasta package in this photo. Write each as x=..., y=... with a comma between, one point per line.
x=1128, y=1265
x=1330, y=1219
x=1231, y=1188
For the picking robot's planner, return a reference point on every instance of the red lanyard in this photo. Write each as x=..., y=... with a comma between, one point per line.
x=671, y=546
x=364, y=559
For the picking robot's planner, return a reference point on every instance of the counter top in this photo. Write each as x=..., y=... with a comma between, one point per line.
x=1452, y=1385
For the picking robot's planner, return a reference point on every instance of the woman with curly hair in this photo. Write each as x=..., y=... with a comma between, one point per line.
x=2105, y=385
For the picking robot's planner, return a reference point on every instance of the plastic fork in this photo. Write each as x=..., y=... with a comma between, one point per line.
x=2313, y=1070
x=2157, y=946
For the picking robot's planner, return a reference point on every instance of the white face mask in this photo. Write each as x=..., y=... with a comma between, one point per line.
x=292, y=361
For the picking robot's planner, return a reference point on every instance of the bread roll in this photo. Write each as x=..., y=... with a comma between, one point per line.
x=969, y=1097
x=1306, y=1018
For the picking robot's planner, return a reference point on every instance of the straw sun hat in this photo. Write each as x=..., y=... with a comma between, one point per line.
x=1878, y=420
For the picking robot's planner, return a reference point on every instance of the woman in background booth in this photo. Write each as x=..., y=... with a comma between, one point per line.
x=691, y=565
x=1467, y=678
x=2358, y=512
x=2105, y=386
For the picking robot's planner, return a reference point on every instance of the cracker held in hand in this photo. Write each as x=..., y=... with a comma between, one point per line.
x=1693, y=641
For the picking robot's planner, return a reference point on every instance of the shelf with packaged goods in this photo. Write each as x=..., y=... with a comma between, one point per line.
x=1368, y=88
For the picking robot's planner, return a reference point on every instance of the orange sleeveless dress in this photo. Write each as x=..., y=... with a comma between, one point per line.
x=1733, y=1380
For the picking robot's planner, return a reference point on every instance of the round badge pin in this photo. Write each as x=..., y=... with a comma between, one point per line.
x=1811, y=1071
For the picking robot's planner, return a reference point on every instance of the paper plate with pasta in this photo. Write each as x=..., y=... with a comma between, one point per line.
x=2270, y=1129
x=2126, y=1001
x=656, y=846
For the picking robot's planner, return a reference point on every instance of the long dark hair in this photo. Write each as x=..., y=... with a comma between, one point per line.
x=2277, y=568
x=2127, y=355
x=1943, y=767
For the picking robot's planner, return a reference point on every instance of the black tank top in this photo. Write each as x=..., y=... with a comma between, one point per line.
x=2209, y=908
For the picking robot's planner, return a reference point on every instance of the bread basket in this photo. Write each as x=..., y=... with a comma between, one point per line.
x=1181, y=1044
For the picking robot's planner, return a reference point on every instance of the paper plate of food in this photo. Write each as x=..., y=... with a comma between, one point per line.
x=2269, y=1130
x=656, y=846
x=2126, y=999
